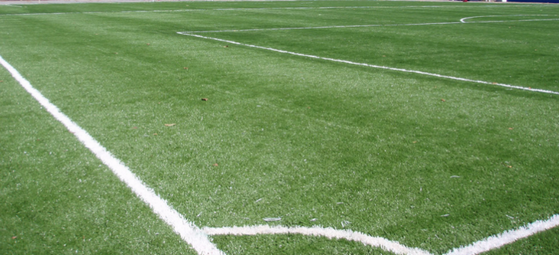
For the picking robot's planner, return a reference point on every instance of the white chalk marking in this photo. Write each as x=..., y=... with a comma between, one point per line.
x=463, y=20
x=321, y=27
x=272, y=8
x=506, y=237
x=226, y=9
x=487, y=244
x=330, y=233
x=519, y=20
x=373, y=66
x=187, y=230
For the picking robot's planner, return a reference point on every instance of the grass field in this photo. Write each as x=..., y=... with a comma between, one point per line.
x=310, y=118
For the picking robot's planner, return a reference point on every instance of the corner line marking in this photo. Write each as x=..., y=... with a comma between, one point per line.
x=186, y=229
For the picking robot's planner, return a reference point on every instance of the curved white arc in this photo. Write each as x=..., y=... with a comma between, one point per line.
x=187, y=230
x=330, y=233
x=463, y=20
x=373, y=66
x=506, y=237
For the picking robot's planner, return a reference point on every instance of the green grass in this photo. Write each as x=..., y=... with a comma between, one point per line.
x=307, y=139
x=292, y=244
x=57, y=198
x=542, y=243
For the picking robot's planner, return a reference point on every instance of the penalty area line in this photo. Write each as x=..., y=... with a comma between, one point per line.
x=243, y=9
x=319, y=27
x=187, y=230
x=372, y=66
x=330, y=233
x=463, y=20
x=506, y=237
x=487, y=244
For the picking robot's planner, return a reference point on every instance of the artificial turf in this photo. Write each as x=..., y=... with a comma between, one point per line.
x=428, y=162
x=57, y=198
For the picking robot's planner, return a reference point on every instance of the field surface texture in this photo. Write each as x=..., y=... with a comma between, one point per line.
x=292, y=127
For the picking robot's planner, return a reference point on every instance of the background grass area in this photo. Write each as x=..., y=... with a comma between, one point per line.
x=285, y=136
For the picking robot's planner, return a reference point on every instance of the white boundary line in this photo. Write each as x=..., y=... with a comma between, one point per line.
x=487, y=244
x=373, y=25
x=187, y=230
x=322, y=27
x=505, y=21
x=330, y=233
x=463, y=20
x=506, y=237
x=276, y=8
x=231, y=9
x=373, y=66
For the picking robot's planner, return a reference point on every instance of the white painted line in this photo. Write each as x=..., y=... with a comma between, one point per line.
x=519, y=20
x=487, y=244
x=187, y=230
x=274, y=8
x=374, y=66
x=229, y=9
x=506, y=237
x=330, y=7
x=330, y=233
x=321, y=27
x=463, y=20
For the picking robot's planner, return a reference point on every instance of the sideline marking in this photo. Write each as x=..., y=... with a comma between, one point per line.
x=275, y=8
x=506, y=237
x=235, y=9
x=374, y=25
x=187, y=230
x=463, y=20
x=373, y=66
x=322, y=27
x=330, y=233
